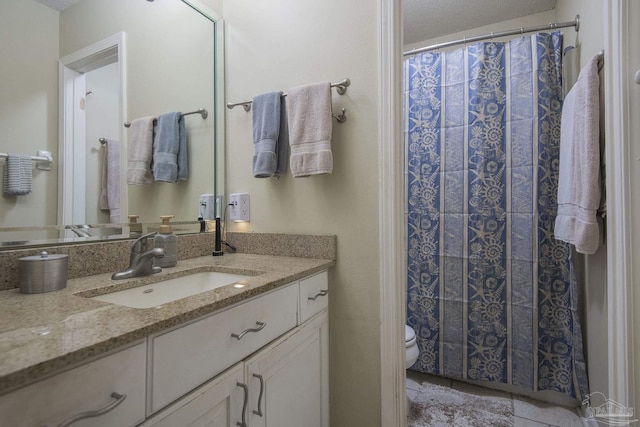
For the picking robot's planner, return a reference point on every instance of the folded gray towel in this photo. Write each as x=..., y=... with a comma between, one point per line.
x=18, y=175
x=282, y=145
x=140, y=151
x=183, y=164
x=169, y=146
x=266, y=128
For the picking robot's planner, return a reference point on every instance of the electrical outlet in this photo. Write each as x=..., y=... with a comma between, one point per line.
x=239, y=207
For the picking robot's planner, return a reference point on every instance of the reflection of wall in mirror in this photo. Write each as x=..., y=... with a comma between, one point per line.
x=169, y=54
x=29, y=105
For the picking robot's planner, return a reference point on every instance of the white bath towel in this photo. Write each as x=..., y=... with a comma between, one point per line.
x=310, y=126
x=18, y=175
x=140, y=151
x=110, y=188
x=579, y=181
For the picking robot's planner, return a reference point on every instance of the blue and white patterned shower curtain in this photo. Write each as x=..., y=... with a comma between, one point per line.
x=491, y=293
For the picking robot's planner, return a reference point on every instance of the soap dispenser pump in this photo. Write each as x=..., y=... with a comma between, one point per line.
x=166, y=240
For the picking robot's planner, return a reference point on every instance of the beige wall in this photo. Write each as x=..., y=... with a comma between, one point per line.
x=279, y=44
x=29, y=104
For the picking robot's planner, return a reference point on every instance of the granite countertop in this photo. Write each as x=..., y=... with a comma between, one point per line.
x=41, y=334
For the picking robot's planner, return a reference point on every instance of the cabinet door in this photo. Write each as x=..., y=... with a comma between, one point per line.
x=288, y=380
x=217, y=403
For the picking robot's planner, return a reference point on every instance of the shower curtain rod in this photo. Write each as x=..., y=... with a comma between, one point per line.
x=551, y=26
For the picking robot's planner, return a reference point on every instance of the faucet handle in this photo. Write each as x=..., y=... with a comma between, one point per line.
x=140, y=243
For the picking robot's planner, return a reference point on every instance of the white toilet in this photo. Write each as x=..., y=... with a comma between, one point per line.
x=411, y=345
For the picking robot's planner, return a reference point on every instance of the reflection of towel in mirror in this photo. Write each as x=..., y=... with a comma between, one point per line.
x=18, y=175
x=110, y=185
x=310, y=126
x=170, y=149
x=140, y=151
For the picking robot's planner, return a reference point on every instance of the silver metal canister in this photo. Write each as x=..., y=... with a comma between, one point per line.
x=43, y=273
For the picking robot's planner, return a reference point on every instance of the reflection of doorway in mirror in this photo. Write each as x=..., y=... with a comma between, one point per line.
x=93, y=105
x=101, y=121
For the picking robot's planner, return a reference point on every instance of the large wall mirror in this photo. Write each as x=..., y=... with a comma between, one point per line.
x=73, y=72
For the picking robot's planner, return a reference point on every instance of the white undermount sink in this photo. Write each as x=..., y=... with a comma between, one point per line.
x=159, y=293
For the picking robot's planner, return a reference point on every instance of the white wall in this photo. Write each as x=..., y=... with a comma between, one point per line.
x=169, y=68
x=279, y=44
x=29, y=104
x=590, y=40
x=525, y=21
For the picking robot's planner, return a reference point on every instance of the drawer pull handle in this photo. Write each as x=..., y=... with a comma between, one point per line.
x=119, y=398
x=260, y=326
x=243, y=423
x=259, y=411
x=319, y=294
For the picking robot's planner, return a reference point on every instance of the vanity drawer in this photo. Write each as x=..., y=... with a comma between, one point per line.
x=313, y=295
x=86, y=388
x=191, y=355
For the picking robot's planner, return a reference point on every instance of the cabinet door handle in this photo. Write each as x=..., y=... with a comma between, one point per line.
x=260, y=326
x=243, y=423
x=259, y=411
x=119, y=398
x=322, y=293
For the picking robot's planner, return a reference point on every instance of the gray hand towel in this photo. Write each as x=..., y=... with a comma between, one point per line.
x=18, y=175
x=266, y=129
x=282, y=145
x=169, y=148
x=140, y=151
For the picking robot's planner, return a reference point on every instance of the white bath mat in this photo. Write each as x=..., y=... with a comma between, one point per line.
x=437, y=406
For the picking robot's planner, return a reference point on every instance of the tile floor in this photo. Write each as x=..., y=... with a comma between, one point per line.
x=527, y=412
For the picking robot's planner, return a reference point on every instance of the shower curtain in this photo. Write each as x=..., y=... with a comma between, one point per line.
x=491, y=294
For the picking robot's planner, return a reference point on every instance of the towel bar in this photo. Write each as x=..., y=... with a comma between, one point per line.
x=202, y=111
x=43, y=159
x=341, y=88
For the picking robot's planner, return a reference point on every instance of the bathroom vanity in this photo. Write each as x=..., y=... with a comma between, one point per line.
x=253, y=353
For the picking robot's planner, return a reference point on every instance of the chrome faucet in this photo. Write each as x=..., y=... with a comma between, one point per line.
x=141, y=260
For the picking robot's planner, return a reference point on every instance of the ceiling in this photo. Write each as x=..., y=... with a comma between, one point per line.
x=427, y=19
x=58, y=5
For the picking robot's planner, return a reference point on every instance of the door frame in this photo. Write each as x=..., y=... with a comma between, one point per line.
x=101, y=53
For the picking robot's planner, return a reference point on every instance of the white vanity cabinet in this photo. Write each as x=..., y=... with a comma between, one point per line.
x=286, y=379
x=190, y=355
x=289, y=380
x=262, y=362
x=71, y=395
